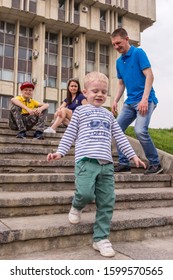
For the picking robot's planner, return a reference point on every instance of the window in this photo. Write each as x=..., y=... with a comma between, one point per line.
x=61, y=10
x=9, y=51
x=25, y=54
x=1, y=50
x=102, y=20
x=32, y=6
x=23, y=31
x=108, y=2
x=29, y=5
x=16, y=4
x=7, y=45
x=22, y=53
x=76, y=13
x=52, y=107
x=2, y=26
x=119, y=21
x=10, y=28
x=53, y=38
x=4, y=102
x=126, y=5
x=104, y=59
x=51, y=56
x=67, y=60
x=90, y=56
x=7, y=75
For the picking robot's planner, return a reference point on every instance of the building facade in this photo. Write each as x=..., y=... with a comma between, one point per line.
x=50, y=41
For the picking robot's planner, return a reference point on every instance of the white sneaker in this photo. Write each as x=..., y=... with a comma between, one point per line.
x=49, y=130
x=74, y=216
x=104, y=247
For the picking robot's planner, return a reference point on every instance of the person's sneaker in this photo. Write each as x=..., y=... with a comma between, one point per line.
x=122, y=168
x=154, y=169
x=104, y=247
x=49, y=130
x=21, y=134
x=74, y=215
x=38, y=135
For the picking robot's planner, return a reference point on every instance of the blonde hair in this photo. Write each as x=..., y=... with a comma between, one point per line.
x=93, y=76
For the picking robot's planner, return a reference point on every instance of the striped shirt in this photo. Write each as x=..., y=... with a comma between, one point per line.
x=92, y=129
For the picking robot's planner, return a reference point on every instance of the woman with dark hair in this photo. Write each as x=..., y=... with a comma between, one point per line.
x=64, y=113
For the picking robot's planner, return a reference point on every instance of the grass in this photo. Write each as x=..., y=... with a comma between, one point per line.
x=162, y=138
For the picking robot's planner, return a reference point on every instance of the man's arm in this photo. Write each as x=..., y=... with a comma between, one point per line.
x=143, y=105
x=120, y=91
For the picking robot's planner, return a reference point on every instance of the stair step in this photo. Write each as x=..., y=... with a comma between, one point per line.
x=16, y=142
x=148, y=249
x=40, y=203
x=39, y=233
x=23, y=152
x=5, y=132
x=64, y=165
x=65, y=181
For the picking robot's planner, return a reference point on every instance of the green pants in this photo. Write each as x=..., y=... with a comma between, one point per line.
x=96, y=182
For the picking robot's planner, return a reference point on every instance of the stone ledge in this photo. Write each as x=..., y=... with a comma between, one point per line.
x=48, y=226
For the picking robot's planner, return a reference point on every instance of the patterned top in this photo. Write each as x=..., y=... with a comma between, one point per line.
x=92, y=129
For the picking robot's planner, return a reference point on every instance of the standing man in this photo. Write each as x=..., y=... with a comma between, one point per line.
x=26, y=112
x=134, y=73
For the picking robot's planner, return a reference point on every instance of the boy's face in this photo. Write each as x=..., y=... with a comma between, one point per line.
x=27, y=93
x=96, y=93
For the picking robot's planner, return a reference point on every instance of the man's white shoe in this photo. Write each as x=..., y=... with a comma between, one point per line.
x=74, y=216
x=49, y=130
x=104, y=247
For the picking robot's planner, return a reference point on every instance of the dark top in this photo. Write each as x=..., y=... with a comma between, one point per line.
x=76, y=102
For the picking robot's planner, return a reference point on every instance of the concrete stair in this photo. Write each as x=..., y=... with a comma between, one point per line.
x=35, y=197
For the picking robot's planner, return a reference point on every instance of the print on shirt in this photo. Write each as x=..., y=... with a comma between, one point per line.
x=100, y=129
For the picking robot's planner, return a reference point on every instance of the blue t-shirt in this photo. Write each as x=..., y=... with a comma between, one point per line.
x=76, y=102
x=129, y=69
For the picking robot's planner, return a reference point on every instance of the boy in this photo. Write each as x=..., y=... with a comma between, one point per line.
x=27, y=112
x=92, y=128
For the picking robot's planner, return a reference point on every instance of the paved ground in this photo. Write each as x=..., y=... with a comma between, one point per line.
x=152, y=249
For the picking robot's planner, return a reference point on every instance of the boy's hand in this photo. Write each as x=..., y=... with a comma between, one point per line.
x=53, y=156
x=138, y=162
x=30, y=111
x=37, y=111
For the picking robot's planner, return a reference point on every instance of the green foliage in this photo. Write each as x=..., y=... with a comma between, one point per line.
x=162, y=138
